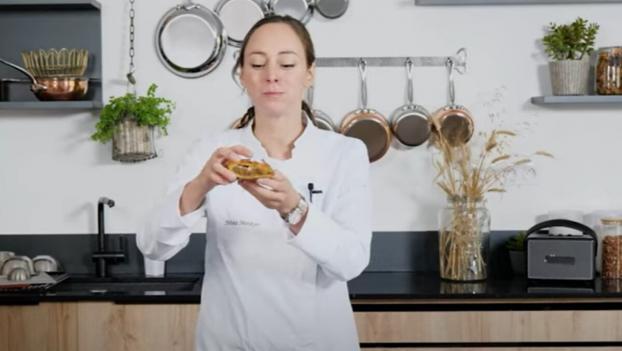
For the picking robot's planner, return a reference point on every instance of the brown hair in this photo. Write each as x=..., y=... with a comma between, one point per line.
x=307, y=44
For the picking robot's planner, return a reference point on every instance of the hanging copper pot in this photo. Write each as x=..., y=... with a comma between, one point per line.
x=54, y=88
x=452, y=122
x=367, y=124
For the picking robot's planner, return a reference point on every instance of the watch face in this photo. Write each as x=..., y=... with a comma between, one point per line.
x=294, y=217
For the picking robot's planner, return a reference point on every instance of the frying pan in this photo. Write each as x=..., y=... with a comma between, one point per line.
x=452, y=122
x=331, y=8
x=54, y=88
x=299, y=9
x=410, y=122
x=190, y=40
x=322, y=120
x=238, y=16
x=367, y=124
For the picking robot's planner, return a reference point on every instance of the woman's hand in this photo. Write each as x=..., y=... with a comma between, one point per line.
x=275, y=193
x=213, y=173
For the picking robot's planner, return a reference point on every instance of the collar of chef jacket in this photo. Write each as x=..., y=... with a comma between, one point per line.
x=302, y=145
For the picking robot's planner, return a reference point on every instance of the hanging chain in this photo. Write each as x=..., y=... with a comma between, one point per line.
x=130, y=75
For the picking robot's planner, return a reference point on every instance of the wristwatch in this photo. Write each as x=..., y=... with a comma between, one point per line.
x=294, y=216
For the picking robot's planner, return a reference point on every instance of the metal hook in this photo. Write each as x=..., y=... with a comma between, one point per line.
x=362, y=71
x=450, y=75
x=409, y=73
x=460, y=61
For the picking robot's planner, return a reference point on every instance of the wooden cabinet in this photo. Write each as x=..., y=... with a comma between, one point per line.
x=103, y=326
x=97, y=326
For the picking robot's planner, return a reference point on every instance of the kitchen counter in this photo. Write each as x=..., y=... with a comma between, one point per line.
x=380, y=289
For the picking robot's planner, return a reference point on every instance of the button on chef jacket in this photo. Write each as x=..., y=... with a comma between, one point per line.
x=265, y=288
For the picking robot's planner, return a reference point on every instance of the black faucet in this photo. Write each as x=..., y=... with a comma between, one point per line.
x=101, y=256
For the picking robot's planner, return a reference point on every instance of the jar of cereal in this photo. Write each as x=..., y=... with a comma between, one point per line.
x=612, y=248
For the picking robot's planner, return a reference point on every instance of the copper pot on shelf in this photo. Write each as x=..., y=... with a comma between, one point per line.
x=54, y=88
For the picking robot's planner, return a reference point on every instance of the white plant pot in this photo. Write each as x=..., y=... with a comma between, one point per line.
x=570, y=77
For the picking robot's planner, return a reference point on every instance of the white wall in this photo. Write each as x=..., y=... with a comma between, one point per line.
x=51, y=173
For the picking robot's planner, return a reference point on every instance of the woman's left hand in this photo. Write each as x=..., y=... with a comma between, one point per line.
x=276, y=192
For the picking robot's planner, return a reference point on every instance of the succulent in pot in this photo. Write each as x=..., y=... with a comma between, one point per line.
x=130, y=120
x=569, y=46
x=516, y=249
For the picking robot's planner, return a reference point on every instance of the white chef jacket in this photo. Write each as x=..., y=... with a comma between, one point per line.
x=265, y=288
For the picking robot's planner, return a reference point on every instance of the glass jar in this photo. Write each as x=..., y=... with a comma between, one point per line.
x=464, y=231
x=608, y=73
x=611, y=267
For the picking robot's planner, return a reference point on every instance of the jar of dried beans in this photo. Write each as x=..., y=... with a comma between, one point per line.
x=612, y=248
x=609, y=71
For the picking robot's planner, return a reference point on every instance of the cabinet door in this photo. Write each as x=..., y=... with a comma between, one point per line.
x=489, y=326
x=111, y=327
x=43, y=327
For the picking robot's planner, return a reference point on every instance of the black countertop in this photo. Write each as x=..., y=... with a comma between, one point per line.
x=420, y=291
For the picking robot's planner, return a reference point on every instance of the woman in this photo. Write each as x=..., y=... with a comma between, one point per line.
x=280, y=250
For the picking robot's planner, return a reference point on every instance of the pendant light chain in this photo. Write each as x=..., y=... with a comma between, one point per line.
x=130, y=75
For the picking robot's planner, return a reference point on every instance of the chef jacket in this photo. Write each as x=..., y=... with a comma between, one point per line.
x=265, y=288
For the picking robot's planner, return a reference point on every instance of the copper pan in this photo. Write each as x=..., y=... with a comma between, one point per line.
x=54, y=88
x=452, y=122
x=367, y=124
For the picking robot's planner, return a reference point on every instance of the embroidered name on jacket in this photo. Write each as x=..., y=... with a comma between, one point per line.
x=241, y=222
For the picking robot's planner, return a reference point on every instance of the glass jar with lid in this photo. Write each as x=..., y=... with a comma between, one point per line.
x=608, y=73
x=612, y=248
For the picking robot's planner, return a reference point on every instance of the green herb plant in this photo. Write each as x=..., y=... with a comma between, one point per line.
x=516, y=242
x=570, y=41
x=147, y=110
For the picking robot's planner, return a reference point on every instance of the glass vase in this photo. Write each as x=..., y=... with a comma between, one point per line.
x=464, y=232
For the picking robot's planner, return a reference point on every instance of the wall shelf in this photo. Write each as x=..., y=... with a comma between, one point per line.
x=50, y=24
x=50, y=105
x=66, y=4
x=507, y=2
x=577, y=99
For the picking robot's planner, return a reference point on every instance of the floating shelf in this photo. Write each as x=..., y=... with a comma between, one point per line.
x=50, y=105
x=577, y=99
x=67, y=4
x=507, y=2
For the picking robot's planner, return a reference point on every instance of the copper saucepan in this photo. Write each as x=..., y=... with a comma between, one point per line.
x=452, y=122
x=54, y=88
x=367, y=124
x=410, y=122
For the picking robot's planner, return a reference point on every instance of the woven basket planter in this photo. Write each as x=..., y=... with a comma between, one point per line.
x=133, y=143
x=570, y=77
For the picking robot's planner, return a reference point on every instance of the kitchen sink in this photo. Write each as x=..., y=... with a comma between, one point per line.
x=127, y=284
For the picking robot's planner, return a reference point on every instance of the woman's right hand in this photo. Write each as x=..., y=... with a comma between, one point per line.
x=215, y=173
x=212, y=174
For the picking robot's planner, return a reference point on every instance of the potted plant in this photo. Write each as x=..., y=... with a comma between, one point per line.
x=516, y=248
x=129, y=121
x=569, y=46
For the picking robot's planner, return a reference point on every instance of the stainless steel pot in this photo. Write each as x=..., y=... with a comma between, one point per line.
x=190, y=40
x=322, y=120
x=410, y=122
x=54, y=88
x=331, y=8
x=367, y=124
x=299, y=9
x=238, y=16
